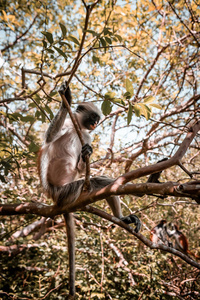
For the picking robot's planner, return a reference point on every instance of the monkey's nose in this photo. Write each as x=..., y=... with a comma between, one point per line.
x=93, y=126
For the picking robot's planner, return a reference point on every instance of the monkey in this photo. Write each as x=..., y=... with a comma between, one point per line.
x=158, y=234
x=181, y=241
x=61, y=162
x=62, y=158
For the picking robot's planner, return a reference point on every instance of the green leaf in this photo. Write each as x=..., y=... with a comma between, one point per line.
x=127, y=95
x=65, y=43
x=49, y=36
x=130, y=113
x=15, y=116
x=108, y=31
x=110, y=95
x=156, y=105
x=73, y=39
x=60, y=52
x=106, y=107
x=137, y=110
x=92, y=32
x=95, y=59
x=33, y=147
x=119, y=100
x=103, y=42
x=108, y=40
x=28, y=118
x=129, y=86
x=44, y=43
x=50, y=50
x=118, y=37
x=49, y=111
x=146, y=111
x=53, y=93
x=63, y=28
x=149, y=99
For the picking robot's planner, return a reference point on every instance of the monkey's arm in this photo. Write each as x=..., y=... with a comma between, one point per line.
x=56, y=125
x=58, y=120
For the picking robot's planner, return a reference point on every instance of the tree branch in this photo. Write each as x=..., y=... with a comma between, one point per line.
x=20, y=36
x=162, y=165
x=141, y=237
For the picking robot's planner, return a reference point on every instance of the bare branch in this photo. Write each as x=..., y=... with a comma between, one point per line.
x=183, y=23
x=162, y=165
x=18, y=38
x=149, y=70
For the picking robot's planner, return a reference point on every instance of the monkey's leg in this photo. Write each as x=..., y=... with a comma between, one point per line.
x=115, y=205
x=69, y=222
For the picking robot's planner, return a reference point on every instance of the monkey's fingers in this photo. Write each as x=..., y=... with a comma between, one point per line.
x=64, y=90
x=133, y=219
x=86, y=150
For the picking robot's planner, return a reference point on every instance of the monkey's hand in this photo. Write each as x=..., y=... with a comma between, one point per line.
x=64, y=90
x=86, y=150
x=132, y=219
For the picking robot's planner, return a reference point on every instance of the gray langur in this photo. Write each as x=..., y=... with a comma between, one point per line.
x=61, y=162
x=62, y=158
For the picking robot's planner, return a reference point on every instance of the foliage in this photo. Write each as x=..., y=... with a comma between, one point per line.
x=140, y=63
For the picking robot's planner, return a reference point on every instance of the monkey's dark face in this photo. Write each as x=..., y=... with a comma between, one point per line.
x=89, y=115
x=90, y=120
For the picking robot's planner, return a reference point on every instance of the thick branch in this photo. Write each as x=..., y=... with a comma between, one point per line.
x=118, y=187
x=170, y=188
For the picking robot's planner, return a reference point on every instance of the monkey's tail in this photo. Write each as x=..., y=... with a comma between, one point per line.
x=71, y=191
x=69, y=222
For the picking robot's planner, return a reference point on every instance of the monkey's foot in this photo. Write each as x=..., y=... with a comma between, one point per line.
x=132, y=219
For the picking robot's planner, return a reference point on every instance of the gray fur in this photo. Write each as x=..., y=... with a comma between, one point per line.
x=71, y=191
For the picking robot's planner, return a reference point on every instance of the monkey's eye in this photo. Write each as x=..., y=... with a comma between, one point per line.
x=94, y=117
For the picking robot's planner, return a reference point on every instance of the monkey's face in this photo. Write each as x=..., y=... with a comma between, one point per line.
x=90, y=120
x=171, y=226
x=88, y=115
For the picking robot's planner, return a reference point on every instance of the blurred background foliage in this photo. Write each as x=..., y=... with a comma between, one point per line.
x=140, y=65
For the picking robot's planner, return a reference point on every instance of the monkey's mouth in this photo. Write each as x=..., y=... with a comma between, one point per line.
x=93, y=126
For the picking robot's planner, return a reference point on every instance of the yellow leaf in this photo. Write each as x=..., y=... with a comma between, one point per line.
x=5, y=15
x=11, y=27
